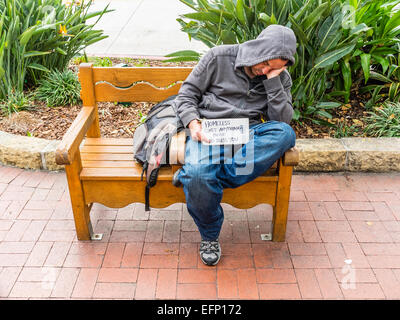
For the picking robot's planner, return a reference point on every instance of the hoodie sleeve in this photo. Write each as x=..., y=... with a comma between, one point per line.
x=193, y=88
x=279, y=98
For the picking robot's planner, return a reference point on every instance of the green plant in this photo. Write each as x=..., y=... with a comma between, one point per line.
x=15, y=101
x=59, y=89
x=77, y=60
x=385, y=121
x=384, y=84
x=343, y=131
x=140, y=63
x=37, y=36
x=184, y=55
x=342, y=44
x=102, y=62
x=372, y=67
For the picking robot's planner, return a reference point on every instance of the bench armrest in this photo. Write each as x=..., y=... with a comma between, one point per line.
x=291, y=157
x=73, y=137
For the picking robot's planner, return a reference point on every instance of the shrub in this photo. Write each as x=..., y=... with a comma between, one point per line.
x=385, y=121
x=59, y=89
x=339, y=41
x=37, y=36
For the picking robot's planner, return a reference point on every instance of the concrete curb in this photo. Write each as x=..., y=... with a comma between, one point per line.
x=316, y=155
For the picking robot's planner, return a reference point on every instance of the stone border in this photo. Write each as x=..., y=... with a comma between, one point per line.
x=316, y=155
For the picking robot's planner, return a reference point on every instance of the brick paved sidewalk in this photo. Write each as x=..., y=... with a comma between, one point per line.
x=332, y=219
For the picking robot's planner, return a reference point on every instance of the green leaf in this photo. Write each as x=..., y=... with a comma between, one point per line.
x=26, y=35
x=228, y=4
x=314, y=16
x=183, y=53
x=366, y=65
x=327, y=105
x=97, y=13
x=362, y=27
x=393, y=22
x=382, y=61
x=273, y=19
x=182, y=58
x=324, y=113
x=265, y=18
x=240, y=12
x=61, y=51
x=228, y=37
x=29, y=54
x=296, y=114
x=346, y=75
x=38, y=67
x=189, y=3
x=203, y=16
x=331, y=57
x=298, y=31
x=328, y=31
x=394, y=90
x=378, y=76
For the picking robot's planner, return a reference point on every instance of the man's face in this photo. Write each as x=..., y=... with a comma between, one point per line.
x=266, y=66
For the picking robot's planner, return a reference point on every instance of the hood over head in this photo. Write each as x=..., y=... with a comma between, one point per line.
x=274, y=42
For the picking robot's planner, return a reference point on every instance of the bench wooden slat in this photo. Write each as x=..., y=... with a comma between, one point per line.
x=109, y=141
x=107, y=149
x=123, y=77
x=107, y=156
x=108, y=164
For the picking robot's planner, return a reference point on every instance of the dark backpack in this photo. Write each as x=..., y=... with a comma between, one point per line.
x=151, y=141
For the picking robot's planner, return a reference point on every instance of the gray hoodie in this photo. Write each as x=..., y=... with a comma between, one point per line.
x=219, y=88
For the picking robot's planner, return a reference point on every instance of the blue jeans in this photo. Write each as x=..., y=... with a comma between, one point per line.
x=210, y=169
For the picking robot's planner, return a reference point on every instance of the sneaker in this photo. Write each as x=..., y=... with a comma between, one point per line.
x=210, y=252
x=175, y=180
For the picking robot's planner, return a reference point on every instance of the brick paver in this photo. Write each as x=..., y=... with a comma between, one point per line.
x=342, y=242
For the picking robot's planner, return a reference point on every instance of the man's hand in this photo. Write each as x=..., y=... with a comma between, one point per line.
x=275, y=72
x=195, y=131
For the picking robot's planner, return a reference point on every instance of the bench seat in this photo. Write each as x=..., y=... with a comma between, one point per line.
x=112, y=159
x=108, y=164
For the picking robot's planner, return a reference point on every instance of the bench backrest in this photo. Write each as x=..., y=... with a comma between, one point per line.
x=130, y=84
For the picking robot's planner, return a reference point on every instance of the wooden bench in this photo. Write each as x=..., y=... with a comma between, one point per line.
x=102, y=170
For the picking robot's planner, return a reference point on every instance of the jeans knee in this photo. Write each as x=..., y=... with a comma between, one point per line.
x=288, y=135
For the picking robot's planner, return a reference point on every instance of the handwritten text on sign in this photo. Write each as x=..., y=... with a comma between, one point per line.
x=226, y=131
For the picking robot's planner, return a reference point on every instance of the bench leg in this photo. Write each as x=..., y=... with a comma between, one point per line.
x=281, y=207
x=81, y=210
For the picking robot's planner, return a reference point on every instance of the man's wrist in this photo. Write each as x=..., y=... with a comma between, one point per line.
x=196, y=120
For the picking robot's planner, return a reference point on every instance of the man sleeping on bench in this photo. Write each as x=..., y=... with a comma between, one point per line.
x=249, y=81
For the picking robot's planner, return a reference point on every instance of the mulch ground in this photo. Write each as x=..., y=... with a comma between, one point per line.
x=117, y=120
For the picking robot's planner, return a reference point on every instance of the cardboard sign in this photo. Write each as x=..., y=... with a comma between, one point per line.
x=226, y=131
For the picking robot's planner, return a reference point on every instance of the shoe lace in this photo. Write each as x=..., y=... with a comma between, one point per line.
x=209, y=246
